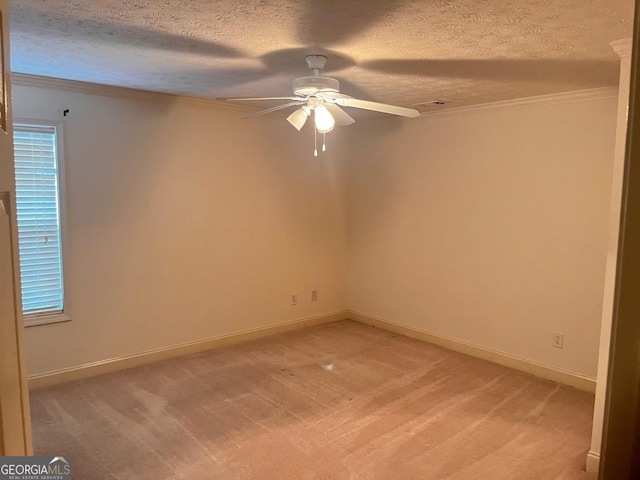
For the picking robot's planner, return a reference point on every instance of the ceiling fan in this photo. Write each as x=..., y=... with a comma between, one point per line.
x=321, y=95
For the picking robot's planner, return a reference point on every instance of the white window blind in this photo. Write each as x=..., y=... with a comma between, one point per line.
x=37, y=203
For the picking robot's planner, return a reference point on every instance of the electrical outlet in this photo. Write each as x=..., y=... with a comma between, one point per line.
x=314, y=295
x=294, y=299
x=558, y=340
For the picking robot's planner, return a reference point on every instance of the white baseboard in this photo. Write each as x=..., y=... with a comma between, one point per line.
x=121, y=363
x=517, y=363
x=129, y=361
x=593, y=462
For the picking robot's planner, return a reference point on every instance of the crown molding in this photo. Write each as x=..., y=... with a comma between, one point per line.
x=536, y=101
x=622, y=47
x=26, y=80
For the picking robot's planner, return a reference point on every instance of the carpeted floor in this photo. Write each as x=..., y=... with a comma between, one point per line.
x=338, y=401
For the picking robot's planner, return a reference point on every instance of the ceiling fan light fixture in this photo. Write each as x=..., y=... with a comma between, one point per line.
x=322, y=96
x=324, y=120
x=299, y=117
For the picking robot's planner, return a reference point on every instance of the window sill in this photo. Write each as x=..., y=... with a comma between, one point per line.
x=36, y=320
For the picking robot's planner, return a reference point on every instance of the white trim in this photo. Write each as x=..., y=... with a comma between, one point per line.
x=26, y=80
x=622, y=47
x=158, y=354
x=536, y=101
x=517, y=363
x=36, y=320
x=65, y=315
x=593, y=462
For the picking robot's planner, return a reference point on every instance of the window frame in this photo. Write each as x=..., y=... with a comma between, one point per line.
x=43, y=318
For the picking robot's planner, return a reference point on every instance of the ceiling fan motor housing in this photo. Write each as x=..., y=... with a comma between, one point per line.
x=306, y=86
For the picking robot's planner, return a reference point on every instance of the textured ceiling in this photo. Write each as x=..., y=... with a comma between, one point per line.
x=395, y=51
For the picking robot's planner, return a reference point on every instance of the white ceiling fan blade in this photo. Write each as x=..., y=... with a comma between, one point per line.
x=273, y=109
x=377, y=107
x=250, y=99
x=298, y=118
x=341, y=117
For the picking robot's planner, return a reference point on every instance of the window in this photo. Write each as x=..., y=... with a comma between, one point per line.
x=39, y=233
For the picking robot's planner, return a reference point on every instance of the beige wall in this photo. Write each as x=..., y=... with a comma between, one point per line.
x=488, y=227
x=184, y=223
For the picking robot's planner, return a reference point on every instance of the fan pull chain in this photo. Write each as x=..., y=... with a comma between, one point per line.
x=324, y=142
x=315, y=142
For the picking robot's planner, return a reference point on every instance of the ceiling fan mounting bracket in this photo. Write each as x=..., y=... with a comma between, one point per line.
x=315, y=62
